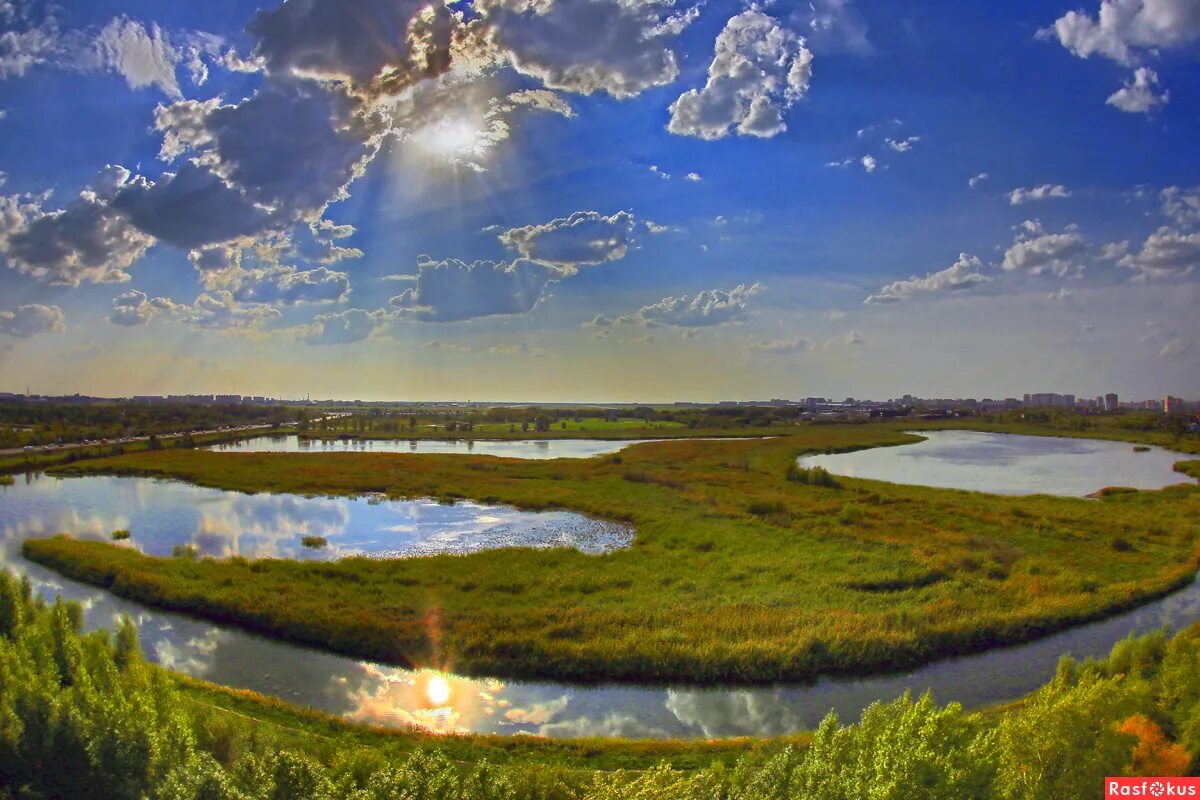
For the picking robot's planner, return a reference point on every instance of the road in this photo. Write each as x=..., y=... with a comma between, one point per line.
x=59, y=448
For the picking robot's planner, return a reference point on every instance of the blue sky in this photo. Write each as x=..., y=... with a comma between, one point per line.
x=600, y=199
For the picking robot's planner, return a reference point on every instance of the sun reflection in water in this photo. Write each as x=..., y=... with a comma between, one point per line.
x=437, y=690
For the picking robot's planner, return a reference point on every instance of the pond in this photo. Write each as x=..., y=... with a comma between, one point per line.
x=384, y=695
x=1002, y=463
x=508, y=448
x=164, y=515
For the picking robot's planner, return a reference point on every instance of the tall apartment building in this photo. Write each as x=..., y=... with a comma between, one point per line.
x=1112, y=402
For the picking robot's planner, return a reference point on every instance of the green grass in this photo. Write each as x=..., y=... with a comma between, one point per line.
x=736, y=574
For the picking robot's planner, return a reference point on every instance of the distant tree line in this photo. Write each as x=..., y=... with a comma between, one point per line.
x=57, y=423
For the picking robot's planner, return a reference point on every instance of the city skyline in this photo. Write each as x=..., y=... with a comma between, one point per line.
x=1107, y=402
x=599, y=201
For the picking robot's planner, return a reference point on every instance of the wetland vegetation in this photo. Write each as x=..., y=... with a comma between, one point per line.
x=739, y=572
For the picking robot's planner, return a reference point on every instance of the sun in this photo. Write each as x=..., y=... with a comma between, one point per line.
x=448, y=138
x=437, y=690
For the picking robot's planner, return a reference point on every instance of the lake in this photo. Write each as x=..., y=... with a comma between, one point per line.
x=162, y=515
x=508, y=448
x=1002, y=463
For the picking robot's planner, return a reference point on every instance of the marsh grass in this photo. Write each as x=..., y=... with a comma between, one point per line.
x=758, y=578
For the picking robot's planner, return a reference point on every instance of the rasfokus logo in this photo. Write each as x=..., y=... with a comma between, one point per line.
x=1151, y=787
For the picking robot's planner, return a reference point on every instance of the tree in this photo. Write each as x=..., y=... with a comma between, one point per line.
x=1154, y=754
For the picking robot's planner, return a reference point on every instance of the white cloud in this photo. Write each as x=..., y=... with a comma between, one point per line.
x=837, y=24
x=701, y=310
x=583, y=238
x=1127, y=31
x=20, y=50
x=978, y=179
x=219, y=309
x=217, y=265
x=1166, y=253
x=1111, y=251
x=1173, y=348
x=694, y=177
x=290, y=148
x=452, y=290
x=30, y=319
x=759, y=69
x=884, y=126
x=902, y=145
x=781, y=346
x=85, y=242
x=1044, y=192
x=869, y=163
x=1122, y=28
x=135, y=308
x=1137, y=95
x=344, y=327
x=1034, y=251
x=287, y=285
x=355, y=41
x=657, y=229
x=965, y=273
x=1181, y=205
x=144, y=56
x=854, y=338
x=613, y=46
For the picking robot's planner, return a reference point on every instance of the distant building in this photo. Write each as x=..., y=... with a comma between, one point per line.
x=1049, y=400
x=1172, y=405
x=1112, y=402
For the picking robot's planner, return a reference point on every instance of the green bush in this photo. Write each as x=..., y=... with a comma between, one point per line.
x=812, y=476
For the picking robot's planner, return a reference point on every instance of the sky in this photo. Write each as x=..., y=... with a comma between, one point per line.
x=600, y=200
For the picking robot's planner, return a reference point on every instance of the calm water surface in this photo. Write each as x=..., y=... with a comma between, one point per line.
x=509, y=448
x=162, y=514
x=1002, y=463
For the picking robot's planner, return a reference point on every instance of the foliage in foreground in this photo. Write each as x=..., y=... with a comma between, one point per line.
x=86, y=716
